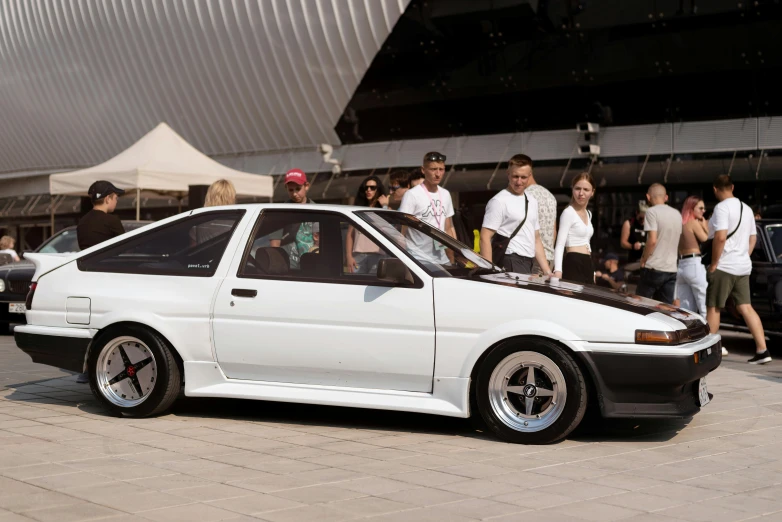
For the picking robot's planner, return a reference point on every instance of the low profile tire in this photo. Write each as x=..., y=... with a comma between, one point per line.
x=133, y=372
x=530, y=391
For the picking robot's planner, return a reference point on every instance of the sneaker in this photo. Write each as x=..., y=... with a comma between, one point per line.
x=724, y=351
x=83, y=378
x=761, y=358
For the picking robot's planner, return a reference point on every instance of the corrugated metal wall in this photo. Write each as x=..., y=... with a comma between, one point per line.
x=80, y=80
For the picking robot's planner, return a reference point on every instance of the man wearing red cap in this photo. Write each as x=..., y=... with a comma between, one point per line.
x=297, y=185
x=305, y=237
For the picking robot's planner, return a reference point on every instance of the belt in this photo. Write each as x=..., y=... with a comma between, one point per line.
x=687, y=256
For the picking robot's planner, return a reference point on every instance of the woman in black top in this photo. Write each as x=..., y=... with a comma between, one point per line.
x=633, y=234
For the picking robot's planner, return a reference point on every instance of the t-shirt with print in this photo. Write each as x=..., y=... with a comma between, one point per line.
x=433, y=208
x=547, y=216
x=503, y=214
x=667, y=221
x=735, y=258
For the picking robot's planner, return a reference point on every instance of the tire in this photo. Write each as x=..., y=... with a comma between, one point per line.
x=538, y=412
x=145, y=380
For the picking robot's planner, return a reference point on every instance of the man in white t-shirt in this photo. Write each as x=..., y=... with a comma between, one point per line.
x=730, y=267
x=505, y=212
x=432, y=204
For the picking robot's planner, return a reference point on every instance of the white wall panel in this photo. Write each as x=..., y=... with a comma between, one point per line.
x=636, y=140
x=80, y=80
x=715, y=136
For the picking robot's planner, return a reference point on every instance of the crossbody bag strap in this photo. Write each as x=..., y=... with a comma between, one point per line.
x=741, y=212
x=526, y=213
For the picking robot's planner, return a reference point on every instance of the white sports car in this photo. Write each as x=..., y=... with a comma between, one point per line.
x=267, y=302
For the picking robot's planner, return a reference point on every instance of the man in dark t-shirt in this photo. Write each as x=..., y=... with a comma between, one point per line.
x=98, y=225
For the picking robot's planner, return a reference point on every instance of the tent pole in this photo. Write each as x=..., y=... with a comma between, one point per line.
x=138, y=204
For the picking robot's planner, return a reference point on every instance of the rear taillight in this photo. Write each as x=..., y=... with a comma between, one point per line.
x=28, y=303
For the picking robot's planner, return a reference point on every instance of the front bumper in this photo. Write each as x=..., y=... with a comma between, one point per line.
x=5, y=315
x=60, y=347
x=652, y=384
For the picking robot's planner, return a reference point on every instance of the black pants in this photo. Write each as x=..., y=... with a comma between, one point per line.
x=657, y=285
x=577, y=267
x=517, y=263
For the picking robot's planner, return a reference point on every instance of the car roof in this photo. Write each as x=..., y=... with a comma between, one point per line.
x=292, y=206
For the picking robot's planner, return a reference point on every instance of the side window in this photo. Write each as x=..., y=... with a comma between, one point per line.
x=360, y=255
x=192, y=246
x=310, y=246
x=759, y=253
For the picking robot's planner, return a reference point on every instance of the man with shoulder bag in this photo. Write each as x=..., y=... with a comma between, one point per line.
x=733, y=234
x=510, y=235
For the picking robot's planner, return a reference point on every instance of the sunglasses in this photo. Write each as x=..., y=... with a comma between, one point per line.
x=435, y=156
x=370, y=187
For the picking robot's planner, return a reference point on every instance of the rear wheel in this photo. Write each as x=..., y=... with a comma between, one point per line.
x=531, y=391
x=133, y=371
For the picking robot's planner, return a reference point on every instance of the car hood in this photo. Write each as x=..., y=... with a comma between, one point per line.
x=593, y=294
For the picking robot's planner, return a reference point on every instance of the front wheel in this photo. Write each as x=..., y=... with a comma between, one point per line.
x=531, y=391
x=133, y=372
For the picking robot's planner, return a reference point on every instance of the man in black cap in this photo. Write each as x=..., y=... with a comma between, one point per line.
x=98, y=225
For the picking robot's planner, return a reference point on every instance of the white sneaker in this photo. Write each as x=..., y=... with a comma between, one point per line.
x=724, y=351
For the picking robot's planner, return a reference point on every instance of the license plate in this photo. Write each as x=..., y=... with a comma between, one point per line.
x=16, y=308
x=703, y=392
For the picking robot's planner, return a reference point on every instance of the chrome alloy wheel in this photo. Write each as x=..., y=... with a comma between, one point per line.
x=527, y=391
x=126, y=372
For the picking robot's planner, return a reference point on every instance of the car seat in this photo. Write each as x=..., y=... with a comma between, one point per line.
x=270, y=261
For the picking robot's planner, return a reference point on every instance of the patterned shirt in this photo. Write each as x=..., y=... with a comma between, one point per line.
x=547, y=216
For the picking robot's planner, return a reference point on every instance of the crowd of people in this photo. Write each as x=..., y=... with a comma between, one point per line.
x=683, y=258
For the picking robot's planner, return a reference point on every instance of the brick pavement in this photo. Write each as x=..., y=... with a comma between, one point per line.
x=62, y=458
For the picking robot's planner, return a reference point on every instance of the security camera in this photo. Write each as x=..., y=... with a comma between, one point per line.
x=325, y=148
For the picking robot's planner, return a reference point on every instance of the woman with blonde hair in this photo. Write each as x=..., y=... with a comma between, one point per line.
x=691, y=275
x=221, y=192
x=573, y=253
x=7, y=247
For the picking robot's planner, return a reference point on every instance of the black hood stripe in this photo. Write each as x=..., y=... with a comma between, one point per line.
x=592, y=294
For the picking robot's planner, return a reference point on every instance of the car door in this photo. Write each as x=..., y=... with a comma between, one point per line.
x=762, y=277
x=291, y=311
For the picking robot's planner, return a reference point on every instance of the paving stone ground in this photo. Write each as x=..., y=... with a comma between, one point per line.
x=63, y=458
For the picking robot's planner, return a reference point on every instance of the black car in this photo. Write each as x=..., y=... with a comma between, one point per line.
x=15, y=277
x=765, y=281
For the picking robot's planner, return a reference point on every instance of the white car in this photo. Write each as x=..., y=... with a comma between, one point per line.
x=258, y=302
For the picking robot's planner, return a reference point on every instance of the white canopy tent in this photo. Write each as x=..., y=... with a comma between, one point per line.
x=161, y=162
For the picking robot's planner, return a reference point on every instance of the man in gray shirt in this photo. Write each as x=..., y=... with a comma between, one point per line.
x=663, y=227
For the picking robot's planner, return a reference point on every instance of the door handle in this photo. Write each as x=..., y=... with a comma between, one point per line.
x=244, y=292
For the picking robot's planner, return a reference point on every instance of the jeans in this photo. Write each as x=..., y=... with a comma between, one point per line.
x=691, y=285
x=657, y=285
x=367, y=263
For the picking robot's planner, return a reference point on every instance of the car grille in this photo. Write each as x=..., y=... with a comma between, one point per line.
x=695, y=332
x=19, y=287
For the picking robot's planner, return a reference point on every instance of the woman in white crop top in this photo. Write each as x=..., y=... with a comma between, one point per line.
x=573, y=255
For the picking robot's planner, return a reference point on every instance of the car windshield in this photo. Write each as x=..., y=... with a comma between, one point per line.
x=438, y=253
x=62, y=243
x=775, y=236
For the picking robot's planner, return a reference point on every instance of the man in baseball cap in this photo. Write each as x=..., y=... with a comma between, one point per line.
x=297, y=185
x=99, y=225
x=613, y=276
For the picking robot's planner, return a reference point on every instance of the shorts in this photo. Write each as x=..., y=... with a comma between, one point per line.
x=723, y=285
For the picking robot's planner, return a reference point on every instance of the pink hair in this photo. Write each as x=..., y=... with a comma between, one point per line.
x=688, y=209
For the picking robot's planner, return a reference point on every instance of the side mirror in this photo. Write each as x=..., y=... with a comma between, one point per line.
x=394, y=271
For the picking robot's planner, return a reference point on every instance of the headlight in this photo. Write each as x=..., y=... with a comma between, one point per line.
x=658, y=337
x=2, y=285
